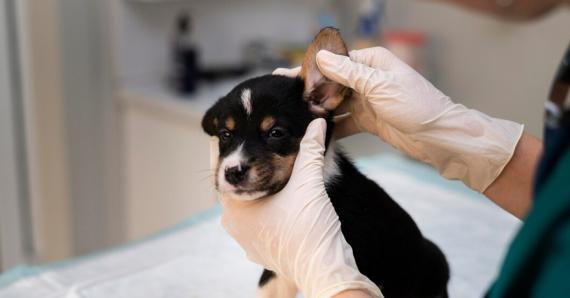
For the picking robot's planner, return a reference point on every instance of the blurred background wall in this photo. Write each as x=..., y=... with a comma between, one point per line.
x=92, y=124
x=12, y=162
x=501, y=68
x=60, y=87
x=96, y=150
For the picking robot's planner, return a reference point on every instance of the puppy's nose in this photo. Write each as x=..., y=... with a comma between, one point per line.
x=237, y=174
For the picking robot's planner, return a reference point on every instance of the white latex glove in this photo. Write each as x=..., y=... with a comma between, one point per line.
x=296, y=232
x=397, y=104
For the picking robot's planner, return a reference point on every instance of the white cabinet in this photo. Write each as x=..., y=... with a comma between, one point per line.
x=166, y=157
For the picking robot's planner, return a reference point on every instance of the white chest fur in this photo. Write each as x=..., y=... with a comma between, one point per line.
x=331, y=170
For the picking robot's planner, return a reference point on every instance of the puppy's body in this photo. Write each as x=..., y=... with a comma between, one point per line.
x=260, y=124
x=388, y=246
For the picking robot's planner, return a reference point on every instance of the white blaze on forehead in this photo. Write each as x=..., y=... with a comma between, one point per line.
x=235, y=159
x=246, y=100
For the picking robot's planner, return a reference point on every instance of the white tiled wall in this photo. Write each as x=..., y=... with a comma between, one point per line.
x=221, y=29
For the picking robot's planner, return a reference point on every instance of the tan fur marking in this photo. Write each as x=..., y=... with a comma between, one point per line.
x=327, y=39
x=267, y=123
x=230, y=123
x=215, y=122
x=284, y=166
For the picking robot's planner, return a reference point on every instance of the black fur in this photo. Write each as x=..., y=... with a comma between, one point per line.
x=266, y=276
x=387, y=244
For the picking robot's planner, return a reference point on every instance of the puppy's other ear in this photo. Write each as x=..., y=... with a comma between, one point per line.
x=211, y=120
x=323, y=94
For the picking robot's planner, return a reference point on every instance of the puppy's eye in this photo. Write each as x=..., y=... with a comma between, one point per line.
x=277, y=133
x=225, y=135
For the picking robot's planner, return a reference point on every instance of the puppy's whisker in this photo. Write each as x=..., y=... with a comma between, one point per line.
x=209, y=176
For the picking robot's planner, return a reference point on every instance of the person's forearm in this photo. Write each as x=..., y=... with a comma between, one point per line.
x=518, y=10
x=513, y=188
x=353, y=294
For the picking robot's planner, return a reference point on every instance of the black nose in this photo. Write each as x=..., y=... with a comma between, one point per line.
x=236, y=175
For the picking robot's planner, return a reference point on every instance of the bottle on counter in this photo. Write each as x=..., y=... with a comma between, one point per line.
x=409, y=46
x=185, y=72
x=368, y=31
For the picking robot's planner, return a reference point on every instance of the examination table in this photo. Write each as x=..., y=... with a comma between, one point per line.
x=197, y=259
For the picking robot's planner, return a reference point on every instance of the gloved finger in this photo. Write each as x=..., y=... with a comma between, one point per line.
x=357, y=76
x=377, y=57
x=345, y=128
x=241, y=221
x=310, y=160
x=288, y=72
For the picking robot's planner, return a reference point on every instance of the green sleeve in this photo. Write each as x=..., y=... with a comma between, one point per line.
x=553, y=279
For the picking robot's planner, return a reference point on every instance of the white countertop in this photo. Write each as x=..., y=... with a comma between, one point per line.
x=157, y=95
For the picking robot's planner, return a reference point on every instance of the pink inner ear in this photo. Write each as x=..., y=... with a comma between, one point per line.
x=325, y=97
x=323, y=94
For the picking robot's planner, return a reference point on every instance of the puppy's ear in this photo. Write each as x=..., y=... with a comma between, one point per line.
x=211, y=120
x=323, y=94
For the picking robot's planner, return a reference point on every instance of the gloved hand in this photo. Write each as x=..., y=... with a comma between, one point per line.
x=397, y=104
x=296, y=232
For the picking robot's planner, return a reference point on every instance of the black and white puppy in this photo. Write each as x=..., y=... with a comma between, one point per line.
x=260, y=124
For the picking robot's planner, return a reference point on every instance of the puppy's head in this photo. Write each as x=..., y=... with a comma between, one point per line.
x=260, y=123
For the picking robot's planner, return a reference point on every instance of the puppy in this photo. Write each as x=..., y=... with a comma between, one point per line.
x=260, y=124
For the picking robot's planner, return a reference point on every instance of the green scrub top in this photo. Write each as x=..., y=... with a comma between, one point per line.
x=538, y=261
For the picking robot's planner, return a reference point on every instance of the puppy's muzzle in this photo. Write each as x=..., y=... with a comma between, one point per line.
x=237, y=174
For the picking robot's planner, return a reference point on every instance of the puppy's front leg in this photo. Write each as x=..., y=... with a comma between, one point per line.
x=273, y=286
